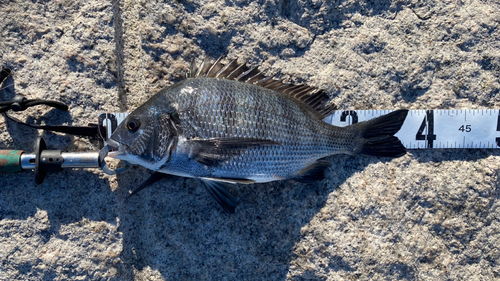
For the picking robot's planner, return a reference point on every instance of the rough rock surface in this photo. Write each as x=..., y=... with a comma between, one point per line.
x=430, y=215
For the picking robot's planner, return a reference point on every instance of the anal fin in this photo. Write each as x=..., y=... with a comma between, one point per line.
x=313, y=173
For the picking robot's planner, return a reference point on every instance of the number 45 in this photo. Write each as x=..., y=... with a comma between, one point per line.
x=465, y=128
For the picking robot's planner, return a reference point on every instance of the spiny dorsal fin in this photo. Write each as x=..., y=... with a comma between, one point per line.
x=314, y=98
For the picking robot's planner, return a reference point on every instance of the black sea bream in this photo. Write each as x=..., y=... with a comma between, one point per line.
x=231, y=124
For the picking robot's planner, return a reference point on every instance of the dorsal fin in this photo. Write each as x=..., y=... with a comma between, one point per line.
x=312, y=97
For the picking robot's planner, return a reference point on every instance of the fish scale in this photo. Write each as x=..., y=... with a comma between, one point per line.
x=303, y=137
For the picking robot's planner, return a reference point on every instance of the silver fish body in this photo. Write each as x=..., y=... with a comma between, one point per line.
x=223, y=130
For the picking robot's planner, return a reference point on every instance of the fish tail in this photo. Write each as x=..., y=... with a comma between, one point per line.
x=376, y=136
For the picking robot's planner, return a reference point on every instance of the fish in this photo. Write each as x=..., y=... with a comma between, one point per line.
x=230, y=124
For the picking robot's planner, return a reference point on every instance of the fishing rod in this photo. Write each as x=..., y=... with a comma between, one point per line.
x=44, y=160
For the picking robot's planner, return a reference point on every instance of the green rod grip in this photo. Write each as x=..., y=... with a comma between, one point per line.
x=10, y=161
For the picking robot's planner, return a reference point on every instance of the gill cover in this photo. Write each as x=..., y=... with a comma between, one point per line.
x=149, y=135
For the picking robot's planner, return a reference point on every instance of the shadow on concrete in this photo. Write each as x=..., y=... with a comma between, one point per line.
x=177, y=222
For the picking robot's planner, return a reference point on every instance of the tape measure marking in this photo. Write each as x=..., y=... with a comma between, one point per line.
x=422, y=129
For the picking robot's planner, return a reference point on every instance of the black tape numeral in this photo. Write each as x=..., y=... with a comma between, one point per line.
x=112, y=118
x=465, y=128
x=428, y=123
x=352, y=113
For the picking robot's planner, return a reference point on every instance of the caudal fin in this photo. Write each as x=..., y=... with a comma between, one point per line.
x=377, y=135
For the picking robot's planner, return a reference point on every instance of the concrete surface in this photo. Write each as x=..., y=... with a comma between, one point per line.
x=430, y=215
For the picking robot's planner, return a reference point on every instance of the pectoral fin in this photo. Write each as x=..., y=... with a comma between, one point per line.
x=213, y=151
x=219, y=192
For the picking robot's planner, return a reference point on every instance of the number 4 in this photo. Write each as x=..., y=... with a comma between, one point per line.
x=428, y=123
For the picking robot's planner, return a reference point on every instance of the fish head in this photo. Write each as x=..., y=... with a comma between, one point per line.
x=147, y=137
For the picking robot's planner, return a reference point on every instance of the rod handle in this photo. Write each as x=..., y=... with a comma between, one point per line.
x=10, y=161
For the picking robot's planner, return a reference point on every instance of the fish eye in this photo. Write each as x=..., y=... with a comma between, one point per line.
x=133, y=125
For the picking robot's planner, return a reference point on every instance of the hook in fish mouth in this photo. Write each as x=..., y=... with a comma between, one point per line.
x=106, y=151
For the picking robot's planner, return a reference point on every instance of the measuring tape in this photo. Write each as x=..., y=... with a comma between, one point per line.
x=439, y=128
x=422, y=129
